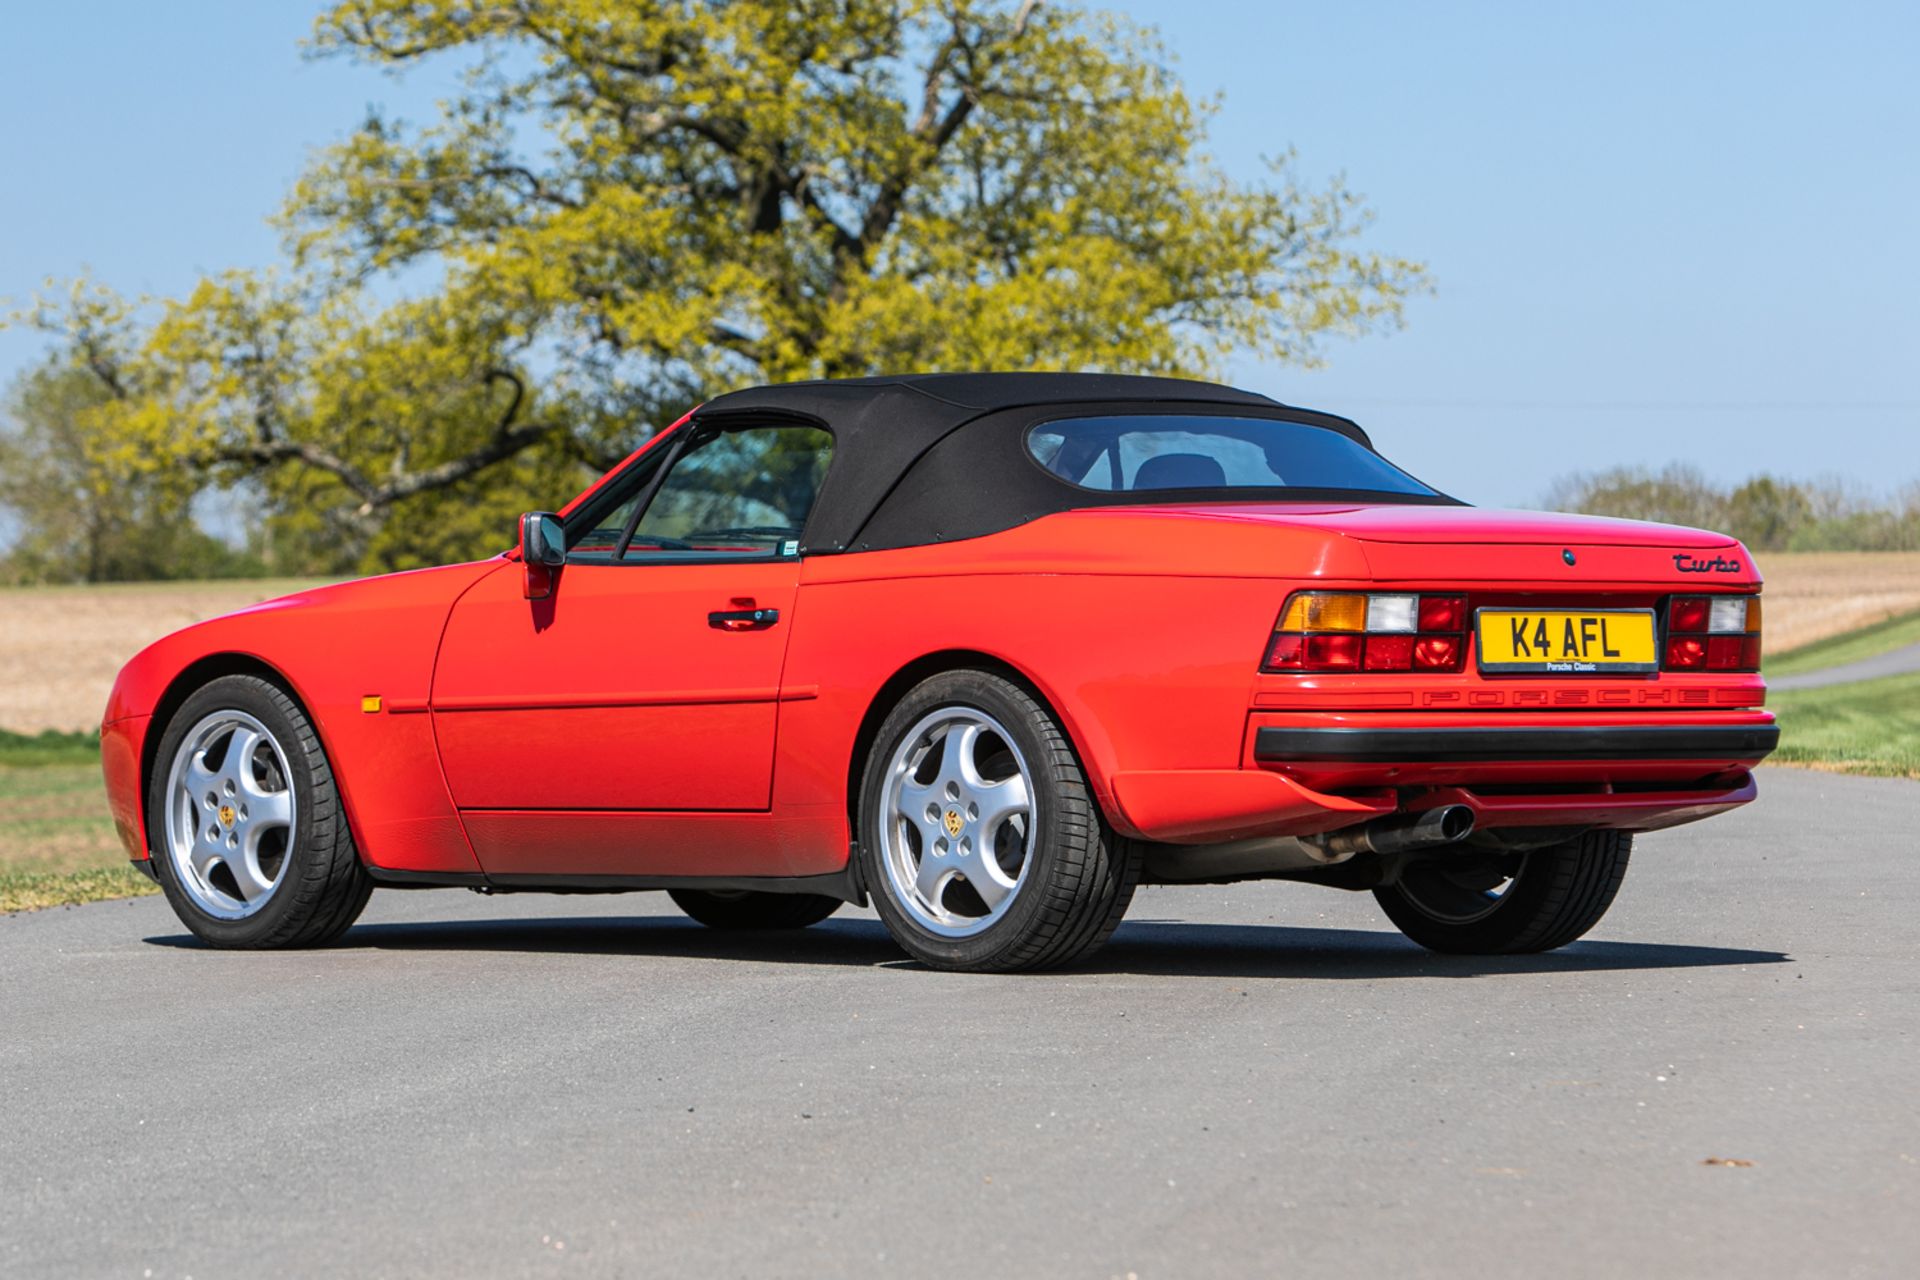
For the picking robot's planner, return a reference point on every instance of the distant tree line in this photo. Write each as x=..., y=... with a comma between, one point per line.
x=78, y=514
x=1765, y=512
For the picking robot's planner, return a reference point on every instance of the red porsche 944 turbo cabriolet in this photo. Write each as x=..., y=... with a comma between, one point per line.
x=990, y=649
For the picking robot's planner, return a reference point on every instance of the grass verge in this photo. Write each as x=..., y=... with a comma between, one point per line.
x=1835, y=651
x=25, y=751
x=37, y=890
x=1872, y=726
x=57, y=845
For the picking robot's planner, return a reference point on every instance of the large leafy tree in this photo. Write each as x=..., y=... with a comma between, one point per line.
x=633, y=204
x=80, y=509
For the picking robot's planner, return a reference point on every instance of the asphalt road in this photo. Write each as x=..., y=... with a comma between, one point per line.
x=1894, y=662
x=1262, y=1079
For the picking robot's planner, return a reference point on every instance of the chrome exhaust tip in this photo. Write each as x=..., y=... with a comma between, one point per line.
x=1430, y=828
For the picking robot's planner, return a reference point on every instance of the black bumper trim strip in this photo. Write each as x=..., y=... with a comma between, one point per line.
x=1491, y=744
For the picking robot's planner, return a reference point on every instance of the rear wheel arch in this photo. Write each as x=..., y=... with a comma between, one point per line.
x=923, y=668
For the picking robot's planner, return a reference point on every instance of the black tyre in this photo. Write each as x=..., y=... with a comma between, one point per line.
x=980, y=840
x=245, y=825
x=753, y=909
x=1509, y=904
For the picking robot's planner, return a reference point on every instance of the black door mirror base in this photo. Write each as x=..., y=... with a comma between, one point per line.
x=543, y=549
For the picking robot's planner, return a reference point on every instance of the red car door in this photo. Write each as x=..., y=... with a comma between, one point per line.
x=648, y=682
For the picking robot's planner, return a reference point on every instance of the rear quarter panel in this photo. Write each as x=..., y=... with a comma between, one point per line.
x=1148, y=664
x=1144, y=630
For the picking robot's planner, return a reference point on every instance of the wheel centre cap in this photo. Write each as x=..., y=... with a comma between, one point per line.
x=226, y=815
x=954, y=822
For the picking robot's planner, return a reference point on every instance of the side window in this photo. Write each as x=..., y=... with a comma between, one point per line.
x=600, y=543
x=731, y=494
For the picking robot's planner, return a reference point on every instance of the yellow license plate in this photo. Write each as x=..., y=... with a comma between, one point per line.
x=1560, y=642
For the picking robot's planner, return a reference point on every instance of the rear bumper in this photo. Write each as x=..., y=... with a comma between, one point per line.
x=1203, y=807
x=1515, y=744
x=1303, y=774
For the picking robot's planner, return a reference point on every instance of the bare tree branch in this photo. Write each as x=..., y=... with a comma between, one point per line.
x=935, y=128
x=499, y=449
x=266, y=453
x=506, y=441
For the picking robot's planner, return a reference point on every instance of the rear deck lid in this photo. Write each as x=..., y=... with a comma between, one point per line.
x=1463, y=546
x=1409, y=523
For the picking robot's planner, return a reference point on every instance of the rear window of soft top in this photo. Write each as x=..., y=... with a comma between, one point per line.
x=1134, y=453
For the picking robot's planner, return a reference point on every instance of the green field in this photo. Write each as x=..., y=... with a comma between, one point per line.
x=28, y=750
x=1872, y=726
x=1837, y=651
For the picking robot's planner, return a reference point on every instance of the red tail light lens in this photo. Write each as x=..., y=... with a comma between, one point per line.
x=1687, y=613
x=1389, y=653
x=1723, y=652
x=1687, y=653
x=1713, y=633
x=1334, y=653
x=1356, y=631
x=1288, y=652
x=1443, y=613
x=1439, y=653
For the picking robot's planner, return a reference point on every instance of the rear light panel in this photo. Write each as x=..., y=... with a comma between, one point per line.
x=1713, y=633
x=1362, y=631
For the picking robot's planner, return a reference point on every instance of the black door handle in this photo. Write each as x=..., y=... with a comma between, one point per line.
x=743, y=619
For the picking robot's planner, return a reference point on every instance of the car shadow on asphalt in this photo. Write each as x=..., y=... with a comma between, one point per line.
x=1151, y=947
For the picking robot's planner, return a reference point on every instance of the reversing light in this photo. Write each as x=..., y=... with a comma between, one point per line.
x=1713, y=633
x=1393, y=613
x=1359, y=631
x=1728, y=616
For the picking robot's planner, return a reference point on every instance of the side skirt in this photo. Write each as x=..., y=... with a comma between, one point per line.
x=843, y=884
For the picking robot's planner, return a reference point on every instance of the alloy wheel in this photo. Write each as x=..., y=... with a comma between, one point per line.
x=230, y=813
x=957, y=822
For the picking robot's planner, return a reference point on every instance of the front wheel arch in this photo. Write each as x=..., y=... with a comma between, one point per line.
x=320, y=884
x=193, y=677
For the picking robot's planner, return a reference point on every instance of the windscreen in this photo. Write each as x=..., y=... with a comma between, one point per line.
x=1132, y=453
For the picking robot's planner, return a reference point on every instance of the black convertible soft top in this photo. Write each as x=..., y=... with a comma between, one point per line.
x=933, y=457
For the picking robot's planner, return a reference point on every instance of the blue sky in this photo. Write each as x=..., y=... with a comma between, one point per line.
x=1659, y=232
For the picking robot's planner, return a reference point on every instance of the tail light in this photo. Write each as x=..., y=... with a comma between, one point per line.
x=1713, y=633
x=1353, y=631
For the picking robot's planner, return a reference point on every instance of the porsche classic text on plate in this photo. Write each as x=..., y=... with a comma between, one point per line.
x=1559, y=642
x=989, y=650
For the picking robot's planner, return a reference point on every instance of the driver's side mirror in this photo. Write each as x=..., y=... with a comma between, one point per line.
x=543, y=549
